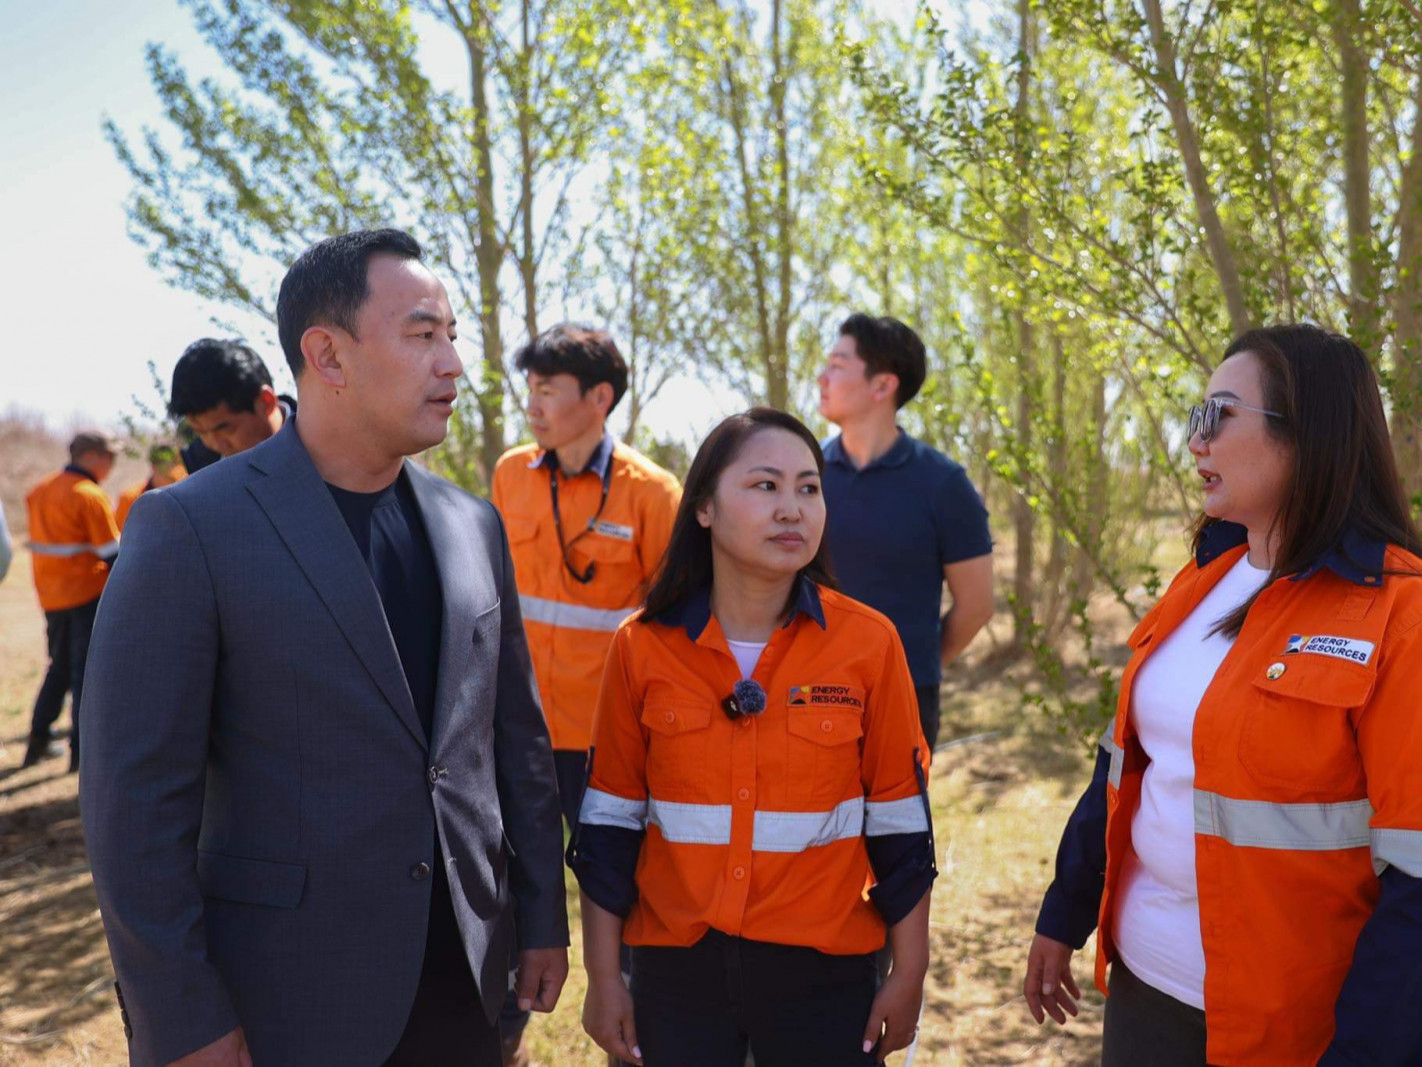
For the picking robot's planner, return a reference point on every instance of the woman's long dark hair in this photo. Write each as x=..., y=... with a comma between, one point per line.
x=686, y=566
x=1345, y=476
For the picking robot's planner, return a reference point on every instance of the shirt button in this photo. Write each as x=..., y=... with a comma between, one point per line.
x=826, y=726
x=671, y=716
x=743, y=794
x=745, y=720
x=420, y=871
x=739, y=872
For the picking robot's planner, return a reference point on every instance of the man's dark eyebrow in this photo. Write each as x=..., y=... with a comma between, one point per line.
x=420, y=315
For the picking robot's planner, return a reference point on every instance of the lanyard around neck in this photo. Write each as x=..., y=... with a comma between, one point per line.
x=585, y=576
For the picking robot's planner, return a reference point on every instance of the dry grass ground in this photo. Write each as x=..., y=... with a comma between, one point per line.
x=999, y=803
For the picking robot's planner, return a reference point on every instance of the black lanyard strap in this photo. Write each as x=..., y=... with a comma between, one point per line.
x=585, y=576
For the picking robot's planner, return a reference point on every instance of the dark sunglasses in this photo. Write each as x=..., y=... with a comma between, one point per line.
x=1205, y=419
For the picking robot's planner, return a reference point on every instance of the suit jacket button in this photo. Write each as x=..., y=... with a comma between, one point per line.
x=434, y=775
x=420, y=871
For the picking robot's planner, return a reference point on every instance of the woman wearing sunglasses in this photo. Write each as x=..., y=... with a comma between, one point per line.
x=1250, y=848
x=756, y=754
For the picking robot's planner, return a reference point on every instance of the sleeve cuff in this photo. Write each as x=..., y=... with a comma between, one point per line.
x=604, y=860
x=903, y=871
x=1065, y=920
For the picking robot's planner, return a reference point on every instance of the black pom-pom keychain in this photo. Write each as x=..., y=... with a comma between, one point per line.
x=747, y=698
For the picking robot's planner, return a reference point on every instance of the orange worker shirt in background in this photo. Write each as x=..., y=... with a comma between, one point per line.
x=133, y=492
x=570, y=624
x=73, y=536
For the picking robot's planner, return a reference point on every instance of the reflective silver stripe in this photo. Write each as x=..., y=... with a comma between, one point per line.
x=572, y=616
x=64, y=551
x=1398, y=848
x=1303, y=827
x=795, y=831
x=605, y=809
x=691, y=824
x=1118, y=758
x=895, y=817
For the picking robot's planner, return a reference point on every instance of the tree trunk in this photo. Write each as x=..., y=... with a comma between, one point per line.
x=527, y=258
x=1406, y=391
x=778, y=371
x=1023, y=517
x=1096, y=497
x=488, y=260
x=1221, y=254
x=1054, y=591
x=1364, y=317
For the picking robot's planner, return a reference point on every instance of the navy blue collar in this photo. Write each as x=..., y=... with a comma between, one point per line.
x=1356, y=558
x=897, y=456
x=597, y=463
x=694, y=612
x=74, y=468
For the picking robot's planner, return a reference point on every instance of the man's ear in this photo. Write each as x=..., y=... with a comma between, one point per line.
x=266, y=401
x=322, y=346
x=602, y=395
x=884, y=385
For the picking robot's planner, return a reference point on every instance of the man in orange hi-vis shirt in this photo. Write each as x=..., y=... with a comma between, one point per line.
x=588, y=521
x=165, y=467
x=74, y=538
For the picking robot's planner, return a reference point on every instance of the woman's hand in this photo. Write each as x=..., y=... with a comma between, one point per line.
x=607, y=1018
x=893, y=1017
x=1049, y=986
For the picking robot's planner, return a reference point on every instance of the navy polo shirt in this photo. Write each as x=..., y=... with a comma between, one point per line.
x=892, y=528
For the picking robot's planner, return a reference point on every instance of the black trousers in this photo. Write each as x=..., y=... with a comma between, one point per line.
x=1146, y=1026
x=446, y=1023
x=69, y=632
x=929, y=712
x=704, y=1006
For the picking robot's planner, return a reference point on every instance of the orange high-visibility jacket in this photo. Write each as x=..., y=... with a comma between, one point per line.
x=133, y=492
x=72, y=536
x=570, y=624
x=1308, y=785
x=763, y=827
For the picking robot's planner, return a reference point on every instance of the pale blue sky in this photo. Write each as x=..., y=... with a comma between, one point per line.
x=83, y=310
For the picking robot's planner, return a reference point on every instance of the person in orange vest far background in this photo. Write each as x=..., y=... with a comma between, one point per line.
x=1250, y=847
x=756, y=754
x=74, y=539
x=588, y=519
x=165, y=466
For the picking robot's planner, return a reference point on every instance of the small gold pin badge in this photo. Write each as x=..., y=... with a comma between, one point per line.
x=1275, y=671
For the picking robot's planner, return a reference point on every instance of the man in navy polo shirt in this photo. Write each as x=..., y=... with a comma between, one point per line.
x=903, y=518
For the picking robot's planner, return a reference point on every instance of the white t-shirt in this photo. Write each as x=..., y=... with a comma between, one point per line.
x=747, y=654
x=1157, y=921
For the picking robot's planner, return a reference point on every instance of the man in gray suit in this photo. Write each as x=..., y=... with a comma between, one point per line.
x=317, y=789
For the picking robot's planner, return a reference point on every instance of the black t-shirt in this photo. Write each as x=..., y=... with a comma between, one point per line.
x=392, y=540
x=391, y=537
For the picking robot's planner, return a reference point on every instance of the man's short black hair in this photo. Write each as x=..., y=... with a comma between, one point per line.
x=211, y=372
x=886, y=345
x=327, y=285
x=589, y=355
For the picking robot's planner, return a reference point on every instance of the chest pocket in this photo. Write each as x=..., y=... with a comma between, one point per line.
x=677, y=749
x=521, y=528
x=824, y=752
x=1299, y=729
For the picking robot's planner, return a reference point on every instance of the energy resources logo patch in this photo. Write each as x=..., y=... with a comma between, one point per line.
x=1338, y=647
x=842, y=696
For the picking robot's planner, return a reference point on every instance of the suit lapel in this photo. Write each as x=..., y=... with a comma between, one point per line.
x=449, y=543
x=306, y=518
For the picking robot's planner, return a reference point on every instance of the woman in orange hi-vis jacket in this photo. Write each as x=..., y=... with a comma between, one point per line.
x=756, y=753
x=1251, y=845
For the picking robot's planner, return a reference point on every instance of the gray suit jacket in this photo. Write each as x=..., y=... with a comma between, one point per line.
x=256, y=788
